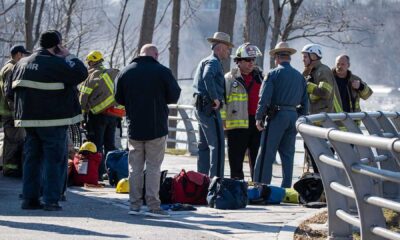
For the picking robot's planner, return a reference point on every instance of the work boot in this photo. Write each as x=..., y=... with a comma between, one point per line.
x=31, y=204
x=52, y=207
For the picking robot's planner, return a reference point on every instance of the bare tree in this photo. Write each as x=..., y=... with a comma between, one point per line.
x=148, y=21
x=118, y=31
x=173, y=58
x=256, y=24
x=30, y=9
x=226, y=22
x=68, y=16
x=9, y=8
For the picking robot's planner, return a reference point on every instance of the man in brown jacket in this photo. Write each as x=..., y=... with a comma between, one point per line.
x=351, y=87
x=13, y=137
x=96, y=97
x=322, y=89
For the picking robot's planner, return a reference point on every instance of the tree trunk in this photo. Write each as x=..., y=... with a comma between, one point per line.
x=38, y=22
x=28, y=16
x=70, y=9
x=256, y=25
x=276, y=29
x=226, y=21
x=118, y=32
x=148, y=21
x=173, y=59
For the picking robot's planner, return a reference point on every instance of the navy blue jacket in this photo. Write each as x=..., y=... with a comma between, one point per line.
x=284, y=86
x=45, y=90
x=145, y=87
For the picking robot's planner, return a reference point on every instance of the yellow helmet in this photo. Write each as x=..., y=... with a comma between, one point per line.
x=94, y=56
x=122, y=186
x=88, y=146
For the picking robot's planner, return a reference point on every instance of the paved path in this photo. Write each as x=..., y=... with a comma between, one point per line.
x=102, y=213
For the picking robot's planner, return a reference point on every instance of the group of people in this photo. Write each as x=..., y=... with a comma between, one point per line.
x=45, y=91
x=258, y=113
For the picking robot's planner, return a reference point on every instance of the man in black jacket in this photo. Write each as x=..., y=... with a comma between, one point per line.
x=46, y=102
x=145, y=87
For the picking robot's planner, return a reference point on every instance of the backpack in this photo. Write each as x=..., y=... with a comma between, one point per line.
x=190, y=187
x=86, y=169
x=310, y=189
x=226, y=193
x=117, y=166
x=166, y=191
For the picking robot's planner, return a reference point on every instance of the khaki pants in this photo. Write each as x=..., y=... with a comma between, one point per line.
x=152, y=153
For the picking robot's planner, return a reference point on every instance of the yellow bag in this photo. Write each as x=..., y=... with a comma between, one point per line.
x=291, y=196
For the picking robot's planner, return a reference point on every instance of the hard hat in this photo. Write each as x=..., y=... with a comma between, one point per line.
x=247, y=50
x=94, y=56
x=88, y=146
x=122, y=186
x=313, y=48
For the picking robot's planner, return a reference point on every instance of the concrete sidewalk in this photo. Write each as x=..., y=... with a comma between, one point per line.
x=102, y=213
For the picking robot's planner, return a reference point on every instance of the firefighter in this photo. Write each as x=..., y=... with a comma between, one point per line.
x=98, y=104
x=13, y=137
x=242, y=87
x=322, y=89
x=281, y=94
x=351, y=87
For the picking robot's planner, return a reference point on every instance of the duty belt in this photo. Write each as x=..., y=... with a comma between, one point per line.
x=287, y=108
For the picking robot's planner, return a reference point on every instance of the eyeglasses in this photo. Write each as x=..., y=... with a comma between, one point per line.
x=248, y=59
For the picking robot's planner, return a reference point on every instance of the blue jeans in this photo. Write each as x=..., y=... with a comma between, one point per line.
x=211, y=144
x=279, y=136
x=101, y=131
x=45, y=163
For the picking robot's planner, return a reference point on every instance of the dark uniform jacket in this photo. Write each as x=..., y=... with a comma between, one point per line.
x=145, y=87
x=45, y=89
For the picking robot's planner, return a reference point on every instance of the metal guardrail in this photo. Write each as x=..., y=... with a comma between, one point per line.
x=362, y=175
x=185, y=113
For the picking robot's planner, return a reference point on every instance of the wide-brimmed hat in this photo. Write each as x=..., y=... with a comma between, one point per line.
x=221, y=37
x=282, y=47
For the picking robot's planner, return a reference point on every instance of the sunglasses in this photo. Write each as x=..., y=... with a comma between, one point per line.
x=248, y=59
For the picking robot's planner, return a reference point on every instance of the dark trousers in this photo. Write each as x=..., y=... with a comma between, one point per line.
x=45, y=163
x=12, y=148
x=239, y=141
x=101, y=131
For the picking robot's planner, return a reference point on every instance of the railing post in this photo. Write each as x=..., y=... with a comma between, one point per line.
x=369, y=215
x=190, y=132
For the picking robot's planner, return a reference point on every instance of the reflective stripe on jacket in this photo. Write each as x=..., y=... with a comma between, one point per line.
x=354, y=95
x=235, y=111
x=323, y=91
x=45, y=90
x=97, y=92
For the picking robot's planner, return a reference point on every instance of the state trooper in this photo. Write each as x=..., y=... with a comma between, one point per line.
x=283, y=97
x=209, y=92
x=243, y=84
x=321, y=88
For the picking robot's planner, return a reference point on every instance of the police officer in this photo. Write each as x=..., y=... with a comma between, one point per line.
x=281, y=94
x=46, y=102
x=209, y=91
x=321, y=88
x=242, y=87
x=96, y=98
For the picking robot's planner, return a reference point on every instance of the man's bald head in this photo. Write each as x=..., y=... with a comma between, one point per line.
x=149, y=50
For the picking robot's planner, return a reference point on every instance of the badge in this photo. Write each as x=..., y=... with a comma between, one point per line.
x=235, y=84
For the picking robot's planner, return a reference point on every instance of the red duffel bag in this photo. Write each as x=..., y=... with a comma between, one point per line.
x=190, y=187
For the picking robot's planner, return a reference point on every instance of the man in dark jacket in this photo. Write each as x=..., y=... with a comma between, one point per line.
x=145, y=87
x=46, y=102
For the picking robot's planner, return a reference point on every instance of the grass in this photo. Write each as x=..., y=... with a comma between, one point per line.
x=304, y=232
x=174, y=151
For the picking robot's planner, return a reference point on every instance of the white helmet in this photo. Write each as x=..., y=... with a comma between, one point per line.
x=247, y=50
x=313, y=48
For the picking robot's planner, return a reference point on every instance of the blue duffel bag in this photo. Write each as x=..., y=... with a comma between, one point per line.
x=226, y=193
x=117, y=166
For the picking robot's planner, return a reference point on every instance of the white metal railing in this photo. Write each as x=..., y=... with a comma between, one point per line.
x=360, y=171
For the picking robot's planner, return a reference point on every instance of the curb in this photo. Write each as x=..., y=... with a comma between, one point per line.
x=287, y=231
